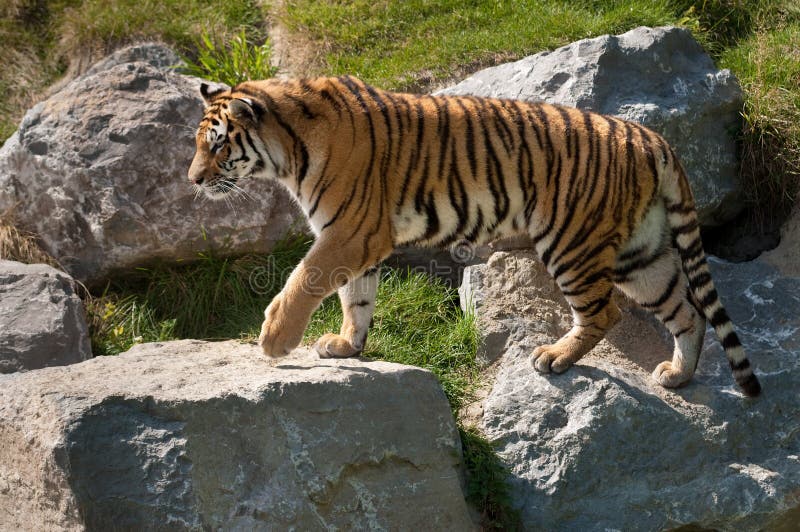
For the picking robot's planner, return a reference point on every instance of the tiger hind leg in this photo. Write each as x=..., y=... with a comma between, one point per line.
x=594, y=313
x=358, y=304
x=659, y=285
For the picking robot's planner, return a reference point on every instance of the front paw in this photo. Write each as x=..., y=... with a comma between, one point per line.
x=279, y=335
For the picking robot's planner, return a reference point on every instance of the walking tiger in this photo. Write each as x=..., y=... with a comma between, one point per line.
x=605, y=201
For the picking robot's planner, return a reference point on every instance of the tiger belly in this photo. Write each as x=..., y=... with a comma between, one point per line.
x=440, y=224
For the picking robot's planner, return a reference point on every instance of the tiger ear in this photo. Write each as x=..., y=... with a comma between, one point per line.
x=242, y=109
x=208, y=93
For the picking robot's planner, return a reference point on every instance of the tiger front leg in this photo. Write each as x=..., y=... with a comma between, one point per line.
x=358, y=304
x=328, y=266
x=286, y=317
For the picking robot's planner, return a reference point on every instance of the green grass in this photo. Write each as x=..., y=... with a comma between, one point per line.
x=767, y=63
x=213, y=298
x=418, y=322
x=233, y=62
x=402, y=45
x=487, y=487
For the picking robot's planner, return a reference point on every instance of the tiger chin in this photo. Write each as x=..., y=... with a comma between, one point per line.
x=605, y=201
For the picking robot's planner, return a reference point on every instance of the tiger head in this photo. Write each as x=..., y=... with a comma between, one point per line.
x=228, y=144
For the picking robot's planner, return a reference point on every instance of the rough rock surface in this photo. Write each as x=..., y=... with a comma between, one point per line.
x=98, y=170
x=198, y=435
x=42, y=321
x=603, y=447
x=660, y=77
x=786, y=257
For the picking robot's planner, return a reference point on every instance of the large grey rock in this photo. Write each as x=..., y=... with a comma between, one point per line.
x=98, y=170
x=603, y=447
x=660, y=77
x=198, y=435
x=42, y=321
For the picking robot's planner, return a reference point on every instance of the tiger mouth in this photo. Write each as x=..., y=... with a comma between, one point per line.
x=221, y=185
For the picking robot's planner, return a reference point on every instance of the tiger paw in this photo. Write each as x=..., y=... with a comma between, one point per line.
x=277, y=336
x=670, y=377
x=549, y=358
x=334, y=346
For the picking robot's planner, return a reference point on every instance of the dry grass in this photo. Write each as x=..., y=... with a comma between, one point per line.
x=22, y=246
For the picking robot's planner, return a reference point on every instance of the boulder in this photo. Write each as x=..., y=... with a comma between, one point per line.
x=200, y=435
x=604, y=447
x=659, y=77
x=99, y=172
x=42, y=321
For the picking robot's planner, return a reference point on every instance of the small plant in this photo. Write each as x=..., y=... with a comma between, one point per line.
x=238, y=61
x=117, y=324
x=487, y=486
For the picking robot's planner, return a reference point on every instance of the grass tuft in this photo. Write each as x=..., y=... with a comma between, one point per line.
x=239, y=61
x=487, y=486
x=22, y=246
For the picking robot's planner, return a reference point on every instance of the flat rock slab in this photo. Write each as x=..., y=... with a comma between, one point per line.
x=604, y=447
x=659, y=77
x=199, y=435
x=42, y=321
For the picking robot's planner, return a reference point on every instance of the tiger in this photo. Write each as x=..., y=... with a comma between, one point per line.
x=605, y=202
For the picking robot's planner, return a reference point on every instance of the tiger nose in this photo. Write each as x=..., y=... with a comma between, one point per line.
x=198, y=180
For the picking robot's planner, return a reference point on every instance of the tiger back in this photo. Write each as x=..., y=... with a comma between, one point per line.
x=605, y=201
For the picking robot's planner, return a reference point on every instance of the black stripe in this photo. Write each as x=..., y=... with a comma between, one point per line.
x=731, y=340
x=703, y=279
x=739, y=366
x=709, y=299
x=688, y=227
x=674, y=312
x=683, y=331
x=666, y=294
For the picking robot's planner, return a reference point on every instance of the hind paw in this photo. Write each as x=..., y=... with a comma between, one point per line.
x=670, y=377
x=549, y=358
x=334, y=346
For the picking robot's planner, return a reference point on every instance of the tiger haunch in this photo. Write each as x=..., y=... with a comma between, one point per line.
x=605, y=201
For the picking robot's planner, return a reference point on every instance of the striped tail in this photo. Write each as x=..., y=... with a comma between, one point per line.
x=686, y=234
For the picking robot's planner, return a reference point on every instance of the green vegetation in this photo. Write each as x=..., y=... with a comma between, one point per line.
x=232, y=64
x=212, y=298
x=418, y=322
x=487, y=488
x=767, y=62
